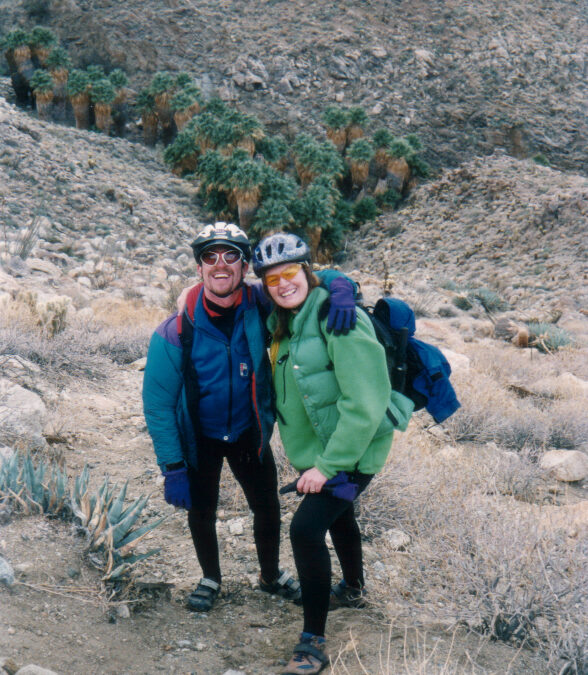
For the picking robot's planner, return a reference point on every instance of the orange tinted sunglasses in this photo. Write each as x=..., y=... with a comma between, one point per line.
x=287, y=273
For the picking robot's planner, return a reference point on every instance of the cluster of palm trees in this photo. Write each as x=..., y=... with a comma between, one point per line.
x=40, y=67
x=320, y=188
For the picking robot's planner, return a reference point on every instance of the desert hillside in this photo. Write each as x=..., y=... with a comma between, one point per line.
x=475, y=532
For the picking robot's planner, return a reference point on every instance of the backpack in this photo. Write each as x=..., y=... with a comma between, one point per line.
x=416, y=369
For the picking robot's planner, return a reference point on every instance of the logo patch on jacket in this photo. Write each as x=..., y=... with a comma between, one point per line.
x=244, y=370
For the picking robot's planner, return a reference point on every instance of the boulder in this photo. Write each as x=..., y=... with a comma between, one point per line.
x=22, y=415
x=566, y=465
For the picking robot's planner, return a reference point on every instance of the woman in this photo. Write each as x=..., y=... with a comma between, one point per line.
x=336, y=414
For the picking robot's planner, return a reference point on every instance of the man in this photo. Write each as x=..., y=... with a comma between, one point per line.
x=207, y=396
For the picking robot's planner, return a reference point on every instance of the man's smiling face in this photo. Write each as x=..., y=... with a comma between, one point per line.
x=222, y=280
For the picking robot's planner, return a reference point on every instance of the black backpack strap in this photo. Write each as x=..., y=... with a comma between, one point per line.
x=188, y=371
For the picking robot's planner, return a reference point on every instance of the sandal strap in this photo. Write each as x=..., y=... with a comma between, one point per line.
x=286, y=580
x=307, y=648
x=209, y=583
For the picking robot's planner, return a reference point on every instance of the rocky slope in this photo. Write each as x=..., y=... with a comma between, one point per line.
x=466, y=77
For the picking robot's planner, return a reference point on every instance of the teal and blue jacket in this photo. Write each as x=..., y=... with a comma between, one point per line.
x=200, y=383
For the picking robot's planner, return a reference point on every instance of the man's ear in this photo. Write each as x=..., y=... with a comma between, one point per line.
x=199, y=268
x=244, y=268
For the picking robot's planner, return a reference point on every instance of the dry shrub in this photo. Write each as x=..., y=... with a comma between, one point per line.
x=491, y=413
x=116, y=313
x=477, y=560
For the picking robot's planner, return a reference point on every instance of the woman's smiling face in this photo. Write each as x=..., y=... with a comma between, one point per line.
x=288, y=293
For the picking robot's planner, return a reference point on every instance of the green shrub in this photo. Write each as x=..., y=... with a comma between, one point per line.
x=335, y=117
x=78, y=82
x=213, y=170
x=277, y=185
x=364, y=210
x=102, y=91
x=415, y=142
x=541, y=159
x=389, y=197
x=184, y=80
x=490, y=300
x=41, y=82
x=462, y=302
x=58, y=59
x=245, y=175
x=361, y=150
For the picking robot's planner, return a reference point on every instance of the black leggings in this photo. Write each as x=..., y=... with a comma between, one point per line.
x=316, y=514
x=259, y=482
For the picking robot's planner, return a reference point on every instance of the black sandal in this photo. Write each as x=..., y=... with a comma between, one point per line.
x=202, y=598
x=343, y=595
x=285, y=586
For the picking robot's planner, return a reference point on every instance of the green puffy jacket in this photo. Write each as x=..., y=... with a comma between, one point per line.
x=336, y=410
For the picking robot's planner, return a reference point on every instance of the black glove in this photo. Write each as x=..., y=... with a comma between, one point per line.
x=342, y=311
x=176, y=489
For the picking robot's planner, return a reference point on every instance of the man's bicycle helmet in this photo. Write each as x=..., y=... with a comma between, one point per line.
x=221, y=233
x=279, y=248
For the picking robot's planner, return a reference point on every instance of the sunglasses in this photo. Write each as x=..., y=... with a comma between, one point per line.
x=229, y=257
x=288, y=273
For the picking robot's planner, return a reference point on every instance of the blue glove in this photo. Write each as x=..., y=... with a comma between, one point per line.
x=342, y=311
x=340, y=486
x=176, y=489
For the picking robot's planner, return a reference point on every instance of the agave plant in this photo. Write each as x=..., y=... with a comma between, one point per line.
x=359, y=154
x=78, y=87
x=42, y=86
x=102, y=95
x=146, y=107
x=336, y=120
x=41, y=41
x=34, y=489
x=358, y=121
x=109, y=526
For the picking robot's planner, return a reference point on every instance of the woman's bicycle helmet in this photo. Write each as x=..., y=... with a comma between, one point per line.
x=221, y=233
x=279, y=248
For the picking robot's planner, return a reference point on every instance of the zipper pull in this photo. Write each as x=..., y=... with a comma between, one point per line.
x=283, y=359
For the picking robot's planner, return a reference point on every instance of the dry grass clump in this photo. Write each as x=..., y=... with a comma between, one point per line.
x=118, y=313
x=478, y=560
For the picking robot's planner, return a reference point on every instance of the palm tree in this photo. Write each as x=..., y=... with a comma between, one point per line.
x=185, y=104
x=274, y=150
x=360, y=154
x=182, y=154
x=120, y=82
x=59, y=64
x=78, y=86
x=336, y=120
x=42, y=86
x=357, y=123
x=18, y=55
x=245, y=181
x=41, y=41
x=161, y=88
x=146, y=107
x=102, y=95
x=382, y=140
